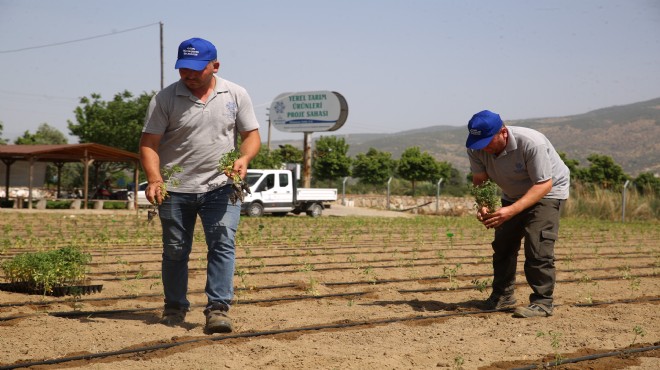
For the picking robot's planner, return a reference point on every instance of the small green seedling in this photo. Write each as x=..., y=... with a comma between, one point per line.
x=168, y=174
x=486, y=195
x=639, y=331
x=555, y=342
x=226, y=166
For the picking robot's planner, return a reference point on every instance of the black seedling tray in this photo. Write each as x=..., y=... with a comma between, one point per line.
x=58, y=291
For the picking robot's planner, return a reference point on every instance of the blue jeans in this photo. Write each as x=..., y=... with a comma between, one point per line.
x=178, y=215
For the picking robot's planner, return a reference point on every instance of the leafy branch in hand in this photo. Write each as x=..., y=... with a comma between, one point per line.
x=168, y=173
x=171, y=180
x=486, y=195
x=240, y=186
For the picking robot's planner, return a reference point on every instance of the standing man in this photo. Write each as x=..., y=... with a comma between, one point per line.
x=192, y=124
x=534, y=182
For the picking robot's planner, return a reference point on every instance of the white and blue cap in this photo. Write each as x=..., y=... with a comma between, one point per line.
x=483, y=127
x=195, y=54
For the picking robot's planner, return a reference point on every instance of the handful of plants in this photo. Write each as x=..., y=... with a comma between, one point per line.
x=486, y=195
x=168, y=173
x=240, y=186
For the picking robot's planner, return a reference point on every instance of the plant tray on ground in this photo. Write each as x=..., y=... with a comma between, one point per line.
x=58, y=291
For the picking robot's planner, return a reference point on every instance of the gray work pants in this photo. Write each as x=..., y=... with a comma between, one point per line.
x=539, y=225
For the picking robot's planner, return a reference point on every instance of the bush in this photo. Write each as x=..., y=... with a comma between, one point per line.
x=58, y=204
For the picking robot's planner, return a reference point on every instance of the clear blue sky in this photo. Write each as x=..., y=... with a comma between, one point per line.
x=400, y=64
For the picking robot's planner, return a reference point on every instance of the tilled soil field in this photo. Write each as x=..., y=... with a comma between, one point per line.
x=335, y=293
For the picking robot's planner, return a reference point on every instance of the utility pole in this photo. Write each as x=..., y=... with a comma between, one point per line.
x=162, y=73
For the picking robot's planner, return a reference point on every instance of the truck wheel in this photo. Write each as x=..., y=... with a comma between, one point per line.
x=255, y=210
x=315, y=210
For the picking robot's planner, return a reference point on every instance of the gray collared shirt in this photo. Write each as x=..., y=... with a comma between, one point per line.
x=529, y=158
x=197, y=134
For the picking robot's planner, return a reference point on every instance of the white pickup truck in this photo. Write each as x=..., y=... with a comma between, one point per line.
x=275, y=191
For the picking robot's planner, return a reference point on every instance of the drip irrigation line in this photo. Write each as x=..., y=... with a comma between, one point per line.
x=600, y=303
x=340, y=283
x=245, y=335
x=133, y=296
x=322, y=327
x=589, y=357
x=74, y=314
x=368, y=263
x=428, y=290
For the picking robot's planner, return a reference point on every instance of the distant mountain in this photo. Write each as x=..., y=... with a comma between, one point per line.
x=630, y=134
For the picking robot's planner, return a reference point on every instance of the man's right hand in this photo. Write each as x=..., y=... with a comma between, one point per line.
x=153, y=193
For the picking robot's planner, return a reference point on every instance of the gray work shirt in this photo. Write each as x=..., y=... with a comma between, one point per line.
x=529, y=158
x=197, y=134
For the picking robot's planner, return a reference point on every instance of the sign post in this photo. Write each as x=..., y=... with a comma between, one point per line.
x=307, y=112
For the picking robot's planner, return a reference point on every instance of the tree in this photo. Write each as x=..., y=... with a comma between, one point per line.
x=289, y=153
x=578, y=174
x=604, y=172
x=647, y=183
x=330, y=159
x=117, y=123
x=44, y=135
x=417, y=166
x=374, y=167
x=2, y=141
x=49, y=135
x=266, y=159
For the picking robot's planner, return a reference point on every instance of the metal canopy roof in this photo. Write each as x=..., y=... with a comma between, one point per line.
x=67, y=153
x=85, y=153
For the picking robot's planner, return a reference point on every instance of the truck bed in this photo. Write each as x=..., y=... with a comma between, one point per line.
x=318, y=194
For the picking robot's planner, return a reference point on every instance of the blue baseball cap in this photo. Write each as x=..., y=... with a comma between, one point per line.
x=195, y=54
x=482, y=127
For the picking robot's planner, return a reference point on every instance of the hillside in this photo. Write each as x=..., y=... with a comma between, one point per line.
x=630, y=134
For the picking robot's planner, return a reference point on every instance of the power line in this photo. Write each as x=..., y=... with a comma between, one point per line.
x=78, y=40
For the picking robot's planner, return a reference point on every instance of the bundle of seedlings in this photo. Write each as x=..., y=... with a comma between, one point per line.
x=240, y=186
x=486, y=195
x=42, y=272
x=168, y=173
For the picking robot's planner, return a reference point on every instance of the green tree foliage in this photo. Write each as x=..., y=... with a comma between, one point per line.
x=416, y=166
x=276, y=158
x=116, y=123
x=289, y=154
x=2, y=141
x=44, y=135
x=266, y=159
x=330, y=159
x=572, y=164
x=48, y=135
x=604, y=172
x=453, y=183
x=374, y=167
x=647, y=183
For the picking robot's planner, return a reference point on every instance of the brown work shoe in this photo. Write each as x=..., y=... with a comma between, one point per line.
x=499, y=302
x=217, y=320
x=533, y=310
x=173, y=316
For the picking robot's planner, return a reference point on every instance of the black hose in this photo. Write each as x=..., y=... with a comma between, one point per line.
x=589, y=357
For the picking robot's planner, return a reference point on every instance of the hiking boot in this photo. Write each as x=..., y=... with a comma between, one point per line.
x=173, y=316
x=217, y=320
x=533, y=310
x=499, y=303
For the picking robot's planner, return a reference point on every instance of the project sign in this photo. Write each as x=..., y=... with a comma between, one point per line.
x=308, y=111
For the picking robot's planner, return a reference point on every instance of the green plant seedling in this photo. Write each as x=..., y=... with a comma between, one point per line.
x=226, y=166
x=481, y=285
x=639, y=332
x=486, y=195
x=168, y=174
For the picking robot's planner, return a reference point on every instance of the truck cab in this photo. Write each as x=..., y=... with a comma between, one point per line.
x=275, y=191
